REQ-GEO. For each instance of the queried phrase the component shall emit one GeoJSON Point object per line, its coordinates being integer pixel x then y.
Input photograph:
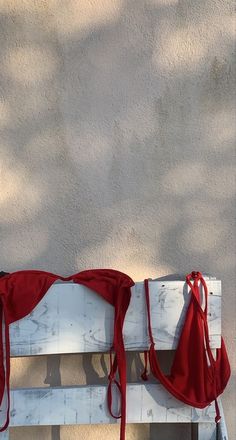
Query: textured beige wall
{"type": "Point", "coordinates": [117, 150]}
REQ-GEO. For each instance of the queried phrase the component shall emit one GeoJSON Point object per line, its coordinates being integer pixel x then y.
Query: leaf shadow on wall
{"type": "Point", "coordinates": [117, 142]}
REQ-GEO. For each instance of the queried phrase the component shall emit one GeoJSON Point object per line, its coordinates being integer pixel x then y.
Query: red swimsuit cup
{"type": "Point", "coordinates": [21, 291]}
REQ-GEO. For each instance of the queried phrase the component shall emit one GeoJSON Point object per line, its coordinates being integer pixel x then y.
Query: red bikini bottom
{"type": "Point", "coordinates": [196, 378]}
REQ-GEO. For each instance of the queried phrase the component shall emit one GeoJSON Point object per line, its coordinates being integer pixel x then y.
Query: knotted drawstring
{"type": "Point", "coordinates": [217, 410]}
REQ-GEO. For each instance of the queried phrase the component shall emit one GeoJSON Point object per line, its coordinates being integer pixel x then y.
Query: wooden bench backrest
{"type": "Point", "coordinates": [73, 319]}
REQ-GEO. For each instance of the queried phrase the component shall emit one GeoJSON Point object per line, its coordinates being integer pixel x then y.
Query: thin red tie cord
{"type": "Point", "coordinates": [217, 409]}
{"type": "Point", "coordinates": [111, 379]}
{"type": "Point", "coordinates": [7, 370]}
{"type": "Point", "coordinates": [148, 312]}
{"type": "Point", "coordinates": [144, 375]}
{"type": "Point", "coordinates": [197, 276]}
{"type": "Point", "coordinates": [120, 359]}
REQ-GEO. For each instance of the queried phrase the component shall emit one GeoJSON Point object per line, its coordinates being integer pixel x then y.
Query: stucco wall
{"type": "Point", "coordinates": [117, 150]}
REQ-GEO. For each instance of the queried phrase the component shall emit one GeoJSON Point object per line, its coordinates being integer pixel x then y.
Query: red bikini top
{"type": "Point", "coordinates": [21, 291]}
{"type": "Point", "coordinates": [196, 378]}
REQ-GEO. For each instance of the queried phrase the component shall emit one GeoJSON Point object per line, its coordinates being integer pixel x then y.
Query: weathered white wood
{"type": "Point", "coordinates": [223, 433]}
{"type": "Point", "coordinates": [207, 431]}
{"type": "Point", "coordinates": [147, 403]}
{"type": "Point", "coordinates": [73, 319]}
{"type": "Point", "coordinates": [4, 435]}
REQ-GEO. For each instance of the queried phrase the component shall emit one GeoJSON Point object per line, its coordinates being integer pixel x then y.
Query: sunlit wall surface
{"type": "Point", "coordinates": [117, 128]}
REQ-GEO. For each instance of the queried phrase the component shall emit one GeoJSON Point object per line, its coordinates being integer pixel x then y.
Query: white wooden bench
{"type": "Point", "coordinates": [73, 319]}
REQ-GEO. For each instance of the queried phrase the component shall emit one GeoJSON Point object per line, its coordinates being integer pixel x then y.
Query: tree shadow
{"type": "Point", "coordinates": [117, 142]}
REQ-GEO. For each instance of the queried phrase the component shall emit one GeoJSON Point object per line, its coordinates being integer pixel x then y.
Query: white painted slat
{"type": "Point", "coordinates": [4, 435]}
{"type": "Point", "coordinates": [223, 433]}
{"type": "Point", "coordinates": [73, 319]}
{"type": "Point", "coordinates": [146, 403]}
{"type": "Point", "coordinates": [207, 431]}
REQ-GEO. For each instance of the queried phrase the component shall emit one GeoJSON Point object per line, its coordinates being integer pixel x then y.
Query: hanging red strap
{"type": "Point", "coordinates": [112, 380]}
{"type": "Point", "coordinates": [6, 367]}
{"type": "Point", "coordinates": [217, 409]}
{"type": "Point", "coordinates": [152, 343]}
{"type": "Point", "coordinates": [144, 375]}
{"type": "Point", "coordinates": [198, 278]}
{"type": "Point", "coordinates": [120, 365]}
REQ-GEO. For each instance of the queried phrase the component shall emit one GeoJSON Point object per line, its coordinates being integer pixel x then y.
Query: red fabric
{"type": "Point", "coordinates": [115, 288]}
{"type": "Point", "coordinates": [191, 380]}
{"type": "Point", "coordinates": [21, 291]}
{"type": "Point", "coordinates": [196, 378]}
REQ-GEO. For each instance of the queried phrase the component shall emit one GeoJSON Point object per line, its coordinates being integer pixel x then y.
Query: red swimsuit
{"type": "Point", "coordinates": [21, 291]}
{"type": "Point", "coordinates": [196, 378]}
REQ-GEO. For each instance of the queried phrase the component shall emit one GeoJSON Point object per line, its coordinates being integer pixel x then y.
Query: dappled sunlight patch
{"type": "Point", "coordinates": [159, 3]}
{"type": "Point", "coordinates": [11, 181]}
{"type": "Point", "coordinates": [221, 182]}
{"type": "Point", "coordinates": [201, 209]}
{"type": "Point", "coordinates": [185, 45]}
{"type": "Point", "coordinates": [30, 64]}
{"type": "Point", "coordinates": [72, 16]}
{"type": "Point", "coordinates": [89, 145]}
{"type": "Point", "coordinates": [44, 147]}
{"type": "Point", "coordinates": [220, 129]}
{"type": "Point", "coordinates": [5, 114]}
{"type": "Point", "coordinates": [128, 245]}
{"type": "Point", "coordinates": [111, 252]}
{"type": "Point", "coordinates": [184, 179]}
{"type": "Point", "coordinates": [22, 6]}
{"type": "Point", "coordinates": [138, 263]}
{"type": "Point", "coordinates": [178, 49]}
{"type": "Point", "coordinates": [151, 270]}
{"type": "Point", "coordinates": [20, 198]}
